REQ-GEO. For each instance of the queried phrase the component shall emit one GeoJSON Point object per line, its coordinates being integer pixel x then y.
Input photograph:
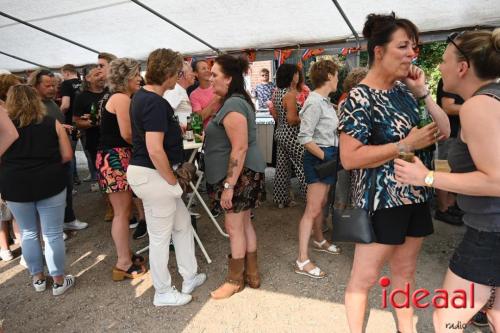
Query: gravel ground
{"type": "Point", "coordinates": [286, 302]}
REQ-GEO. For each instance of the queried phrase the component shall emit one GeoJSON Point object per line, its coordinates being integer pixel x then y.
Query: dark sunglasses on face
{"type": "Point", "coordinates": [451, 40]}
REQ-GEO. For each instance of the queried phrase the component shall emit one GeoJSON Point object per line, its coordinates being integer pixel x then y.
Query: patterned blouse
{"type": "Point", "coordinates": [395, 114]}
{"type": "Point", "coordinates": [263, 92]}
{"type": "Point", "coordinates": [284, 131]}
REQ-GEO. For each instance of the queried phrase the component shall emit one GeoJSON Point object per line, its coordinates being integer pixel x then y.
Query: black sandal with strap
{"type": "Point", "coordinates": [134, 272]}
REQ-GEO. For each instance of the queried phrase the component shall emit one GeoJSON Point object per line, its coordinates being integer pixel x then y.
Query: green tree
{"type": "Point", "coordinates": [428, 59]}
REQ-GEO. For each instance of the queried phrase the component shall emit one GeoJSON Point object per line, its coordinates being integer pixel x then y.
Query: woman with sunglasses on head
{"type": "Point", "coordinates": [113, 158]}
{"type": "Point", "coordinates": [378, 121]}
{"type": "Point", "coordinates": [471, 68]}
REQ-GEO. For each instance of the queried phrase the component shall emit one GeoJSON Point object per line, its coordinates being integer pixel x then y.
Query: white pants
{"type": "Point", "coordinates": [166, 216]}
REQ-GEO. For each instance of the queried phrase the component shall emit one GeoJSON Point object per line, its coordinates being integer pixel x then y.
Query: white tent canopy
{"type": "Point", "coordinates": [126, 29]}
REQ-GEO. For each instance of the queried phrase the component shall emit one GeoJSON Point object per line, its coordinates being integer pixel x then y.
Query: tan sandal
{"type": "Point", "coordinates": [315, 273]}
{"type": "Point", "coordinates": [324, 246]}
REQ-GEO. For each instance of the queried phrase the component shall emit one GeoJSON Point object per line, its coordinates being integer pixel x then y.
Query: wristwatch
{"type": "Point", "coordinates": [228, 186]}
{"type": "Point", "coordinates": [429, 179]}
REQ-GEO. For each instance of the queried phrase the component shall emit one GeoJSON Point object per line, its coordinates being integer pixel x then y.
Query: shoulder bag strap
{"type": "Point", "coordinates": [373, 178]}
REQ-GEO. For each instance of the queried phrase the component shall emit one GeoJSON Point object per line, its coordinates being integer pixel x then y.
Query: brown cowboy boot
{"type": "Point", "coordinates": [252, 277]}
{"type": "Point", "coordinates": [234, 280]}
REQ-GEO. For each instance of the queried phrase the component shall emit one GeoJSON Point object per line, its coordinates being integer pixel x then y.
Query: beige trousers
{"type": "Point", "coordinates": [166, 217]}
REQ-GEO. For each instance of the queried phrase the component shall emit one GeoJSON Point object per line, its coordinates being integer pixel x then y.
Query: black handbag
{"type": "Point", "coordinates": [354, 225]}
{"type": "Point", "coordinates": [328, 168]}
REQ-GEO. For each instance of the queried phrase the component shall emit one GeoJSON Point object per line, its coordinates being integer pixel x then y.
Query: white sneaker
{"type": "Point", "coordinates": [171, 298]}
{"type": "Point", "coordinates": [69, 281]}
{"type": "Point", "coordinates": [75, 225]}
{"type": "Point", "coordinates": [39, 285]}
{"type": "Point", "coordinates": [6, 255]}
{"type": "Point", "coordinates": [189, 285]}
{"type": "Point", "coordinates": [94, 187]}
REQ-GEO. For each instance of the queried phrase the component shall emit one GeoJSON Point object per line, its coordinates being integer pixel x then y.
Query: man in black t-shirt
{"type": "Point", "coordinates": [447, 211]}
{"type": "Point", "coordinates": [69, 88]}
{"type": "Point", "coordinates": [85, 108]}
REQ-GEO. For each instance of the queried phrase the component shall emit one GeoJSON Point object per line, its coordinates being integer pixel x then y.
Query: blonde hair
{"type": "Point", "coordinates": [355, 76]}
{"type": "Point", "coordinates": [24, 105]}
{"type": "Point", "coordinates": [162, 64]}
{"type": "Point", "coordinates": [106, 56]}
{"type": "Point", "coordinates": [6, 81]}
{"type": "Point", "coordinates": [121, 70]}
{"type": "Point", "coordinates": [482, 47]}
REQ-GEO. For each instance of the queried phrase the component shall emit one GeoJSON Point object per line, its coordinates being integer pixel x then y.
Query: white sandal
{"type": "Point", "coordinates": [321, 247]}
{"type": "Point", "coordinates": [315, 273]}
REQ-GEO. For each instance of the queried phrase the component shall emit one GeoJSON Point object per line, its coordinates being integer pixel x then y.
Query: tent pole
{"type": "Point", "coordinates": [47, 32]}
{"type": "Point", "coordinates": [175, 25]}
{"type": "Point", "coordinates": [21, 59]}
{"type": "Point", "coordinates": [341, 11]}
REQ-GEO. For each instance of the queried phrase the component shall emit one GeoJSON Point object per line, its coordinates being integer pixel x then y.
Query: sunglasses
{"type": "Point", "coordinates": [451, 40]}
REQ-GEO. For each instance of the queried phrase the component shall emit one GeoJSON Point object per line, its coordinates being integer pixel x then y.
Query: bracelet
{"type": "Point", "coordinates": [427, 93]}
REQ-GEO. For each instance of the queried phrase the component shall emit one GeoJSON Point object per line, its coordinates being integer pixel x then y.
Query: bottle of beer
{"type": "Point", "coordinates": [189, 130]}
{"type": "Point", "coordinates": [424, 120]}
{"type": "Point", "coordinates": [197, 127]}
{"type": "Point", "coordinates": [93, 114]}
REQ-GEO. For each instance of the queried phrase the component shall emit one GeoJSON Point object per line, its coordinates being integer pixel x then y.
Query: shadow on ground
{"type": "Point", "coordinates": [286, 302]}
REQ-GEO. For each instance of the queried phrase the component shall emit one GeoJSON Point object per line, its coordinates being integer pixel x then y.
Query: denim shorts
{"type": "Point", "coordinates": [476, 259]}
{"type": "Point", "coordinates": [310, 161]}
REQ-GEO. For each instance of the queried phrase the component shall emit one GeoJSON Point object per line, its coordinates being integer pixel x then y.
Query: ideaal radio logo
{"type": "Point", "coordinates": [422, 298]}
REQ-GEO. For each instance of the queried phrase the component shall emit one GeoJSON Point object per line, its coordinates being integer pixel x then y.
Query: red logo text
{"type": "Point", "coordinates": [421, 298]}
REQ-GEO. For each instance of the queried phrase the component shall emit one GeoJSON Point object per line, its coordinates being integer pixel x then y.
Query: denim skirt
{"type": "Point", "coordinates": [477, 257]}
{"type": "Point", "coordinates": [310, 161]}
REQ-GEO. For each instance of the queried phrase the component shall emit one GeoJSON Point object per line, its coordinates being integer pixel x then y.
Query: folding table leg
{"type": "Point", "coordinates": [198, 182]}
{"type": "Point", "coordinates": [212, 218]}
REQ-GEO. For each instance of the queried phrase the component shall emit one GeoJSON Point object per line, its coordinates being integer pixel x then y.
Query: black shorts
{"type": "Point", "coordinates": [393, 225]}
{"type": "Point", "coordinates": [476, 259]}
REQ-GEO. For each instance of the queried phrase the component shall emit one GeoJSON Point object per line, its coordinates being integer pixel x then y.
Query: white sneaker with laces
{"type": "Point", "coordinates": [171, 298]}
{"type": "Point", "coordinates": [59, 289]}
{"type": "Point", "coordinates": [189, 285]}
{"type": "Point", "coordinates": [6, 255]}
{"type": "Point", "coordinates": [39, 285]}
{"type": "Point", "coordinates": [75, 225]}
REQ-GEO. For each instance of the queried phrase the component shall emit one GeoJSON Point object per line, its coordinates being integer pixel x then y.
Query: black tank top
{"type": "Point", "coordinates": [110, 131]}
{"type": "Point", "coordinates": [31, 169]}
{"type": "Point", "coordinates": [481, 213]}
